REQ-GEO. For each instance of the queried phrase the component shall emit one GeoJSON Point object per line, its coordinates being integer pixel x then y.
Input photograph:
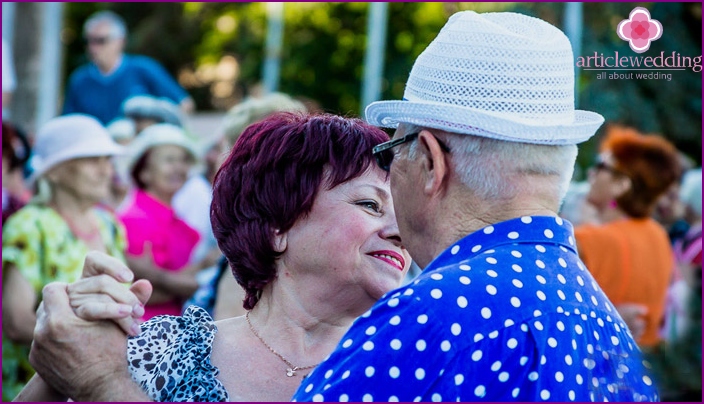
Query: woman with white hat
{"type": "Point", "coordinates": [48, 239]}
{"type": "Point", "coordinates": [159, 243]}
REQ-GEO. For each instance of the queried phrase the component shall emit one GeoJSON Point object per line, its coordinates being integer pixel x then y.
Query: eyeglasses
{"type": "Point", "coordinates": [602, 166]}
{"type": "Point", "coordinates": [385, 156]}
{"type": "Point", "coordinates": [97, 40]}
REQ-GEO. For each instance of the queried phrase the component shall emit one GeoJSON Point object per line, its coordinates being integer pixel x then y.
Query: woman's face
{"type": "Point", "coordinates": [166, 170]}
{"type": "Point", "coordinates": [86, 178]}
{"type": "Point", "coordinates": [349, 243]}
{"type": "Point", "coordinates": [604, 180]}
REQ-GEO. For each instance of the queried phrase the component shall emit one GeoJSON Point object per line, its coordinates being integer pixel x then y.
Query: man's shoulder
{"type": "Point", "coordinates": [81, 73]}
{"type": "Point", "coordinates": [139, 61]}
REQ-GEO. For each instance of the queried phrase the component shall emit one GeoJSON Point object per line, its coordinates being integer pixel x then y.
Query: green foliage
{"type": "Point", "coordinates": [324, 48]}
{"type": "Point", "coordinates": [670, 108]}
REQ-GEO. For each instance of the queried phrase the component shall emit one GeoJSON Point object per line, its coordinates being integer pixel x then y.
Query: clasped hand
{"type": "Point", "coordinates": [80, 339]}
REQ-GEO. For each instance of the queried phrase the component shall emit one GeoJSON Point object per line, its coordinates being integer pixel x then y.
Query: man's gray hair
{"type": "Point", "coordinates": [498, 170]}
{"type": "Point", "coordinates": [117, 24]}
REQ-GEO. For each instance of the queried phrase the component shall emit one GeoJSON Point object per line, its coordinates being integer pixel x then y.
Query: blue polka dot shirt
{"type": "Point", "coordinates": [508, 313]}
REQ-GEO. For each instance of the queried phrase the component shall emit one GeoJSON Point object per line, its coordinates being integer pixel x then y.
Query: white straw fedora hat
{"type": "Point", "coordinates": [157, 135]}
{"type": "Point", "coordinates": [70, 137]}
{"type": "Point", "coordinates": [505, 76]}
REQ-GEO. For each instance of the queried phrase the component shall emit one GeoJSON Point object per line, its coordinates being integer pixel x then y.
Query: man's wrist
{"type": "Point", "coordinates": [117, 386]}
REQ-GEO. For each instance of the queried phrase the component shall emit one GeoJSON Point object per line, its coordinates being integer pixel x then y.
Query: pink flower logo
{"type": "Point", "coordinates": [639, 30]}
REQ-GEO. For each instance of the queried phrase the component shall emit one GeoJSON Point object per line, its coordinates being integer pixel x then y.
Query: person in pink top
{"type": "Point", "coordinates": [159, 244]}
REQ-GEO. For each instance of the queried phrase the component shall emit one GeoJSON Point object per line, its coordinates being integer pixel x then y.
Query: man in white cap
{"type": "Point", "coordinates": [482, 155]}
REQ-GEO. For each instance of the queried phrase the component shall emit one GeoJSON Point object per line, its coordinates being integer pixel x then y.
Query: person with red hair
{"type": "Point", "coordinates": [629, 253]}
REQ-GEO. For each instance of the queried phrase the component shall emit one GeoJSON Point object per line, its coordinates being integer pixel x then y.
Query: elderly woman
{"type": "Point", "coordinates": [160, 244]}
{"type": "Point", "coordinates": [48, 239]}
{"type": "Point", "coordinates": [629, 254]}
{"type": "Point", "coordinates": [306, 221]}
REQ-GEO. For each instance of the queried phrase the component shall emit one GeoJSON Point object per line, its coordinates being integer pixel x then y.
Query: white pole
{"type": "Point", "coordinates": [274, 44]}
{"type": "Point", "coordinates": [374, 56]}
{"type": "Point", "coordinates": [8, 22]}
{"type": "Point", "coordinates": [573, 29]}
{"type": "Point", "coordinates": [51, 60]}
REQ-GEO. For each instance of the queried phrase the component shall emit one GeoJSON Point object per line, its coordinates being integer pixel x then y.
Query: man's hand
{"type": "Point", "coordinates": [85, 360]}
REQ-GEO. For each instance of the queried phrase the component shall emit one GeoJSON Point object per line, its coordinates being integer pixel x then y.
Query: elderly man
{"type": "Point", "coordinates": [505, 309]}
{"type": "Point", "coordinates": [100, 87]}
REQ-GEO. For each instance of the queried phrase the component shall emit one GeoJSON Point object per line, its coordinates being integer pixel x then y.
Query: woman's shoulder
{"type": "Point", "coordinates": [171, 358]}
{"type": "Point", "coordinates": [33, 220]}
{"type": "Point", "coordinates": [32, 210]}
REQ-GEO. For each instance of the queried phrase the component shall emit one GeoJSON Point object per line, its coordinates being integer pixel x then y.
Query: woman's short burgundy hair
{"type": "Point", "coordinates": [651, 163]}
{"type": "Point", "coordinates": [271, 179]}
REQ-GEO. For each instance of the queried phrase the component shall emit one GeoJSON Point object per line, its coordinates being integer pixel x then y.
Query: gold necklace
{"type": "Point", "coordinates": [291, 370]}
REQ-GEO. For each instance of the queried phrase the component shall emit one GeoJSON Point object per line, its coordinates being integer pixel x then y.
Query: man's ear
{"type": "Point", "coordinates": [434, 163]}
{"type": "Point", "coordinates": [280, 241]}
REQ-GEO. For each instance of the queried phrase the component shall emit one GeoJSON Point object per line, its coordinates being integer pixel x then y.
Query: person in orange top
{"type": "Point", "coordinates": [629, 253]}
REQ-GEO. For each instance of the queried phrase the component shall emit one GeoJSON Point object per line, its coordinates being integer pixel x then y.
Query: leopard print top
{"type": "Point", "coordinates": [170, 359]}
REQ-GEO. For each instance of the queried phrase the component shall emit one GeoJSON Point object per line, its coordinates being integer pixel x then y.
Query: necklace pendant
{"type": "Point", "coordinates": [290, 372]}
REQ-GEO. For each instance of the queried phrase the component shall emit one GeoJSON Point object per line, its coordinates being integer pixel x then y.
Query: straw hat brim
{"type": "Point", "coordinates": [464, 120]}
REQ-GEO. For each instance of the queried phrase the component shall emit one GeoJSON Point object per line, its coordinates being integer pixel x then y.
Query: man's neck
{"type": "Point", "coordinates": [463, 215]}
{"type": "Point", "coordinates": [110, 67]}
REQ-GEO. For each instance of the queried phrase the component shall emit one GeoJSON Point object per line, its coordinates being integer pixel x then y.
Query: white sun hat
{"type": "Point", "coordinates": [505, 76]}
{"type": "Point", "coordinates": [157, 135]}
{"type": "Point", "coordinates": [70, 137]}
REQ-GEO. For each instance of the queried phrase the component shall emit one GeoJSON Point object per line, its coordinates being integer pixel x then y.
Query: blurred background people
{"type": "Point", "coordinates": [629, 253]}
{"type": "Point", "coordinates": [159, 244]}
{"type": "Point", "coordinates": [15, 153]}
{"type": "Point", "coordinates": [137, 113]}
{"type": "Point", "coordinates": [670, 209]}
{"type": "Point", "coordinates": [100, 87]}
{"type": "Point", "coordinates": [147, 110]}
{"type": "Point", "coordinates": [688, 250]}
{"type": "Point", "coordinates": [677, 364]}
{"type": "Point", "coordinates": [48, 239]}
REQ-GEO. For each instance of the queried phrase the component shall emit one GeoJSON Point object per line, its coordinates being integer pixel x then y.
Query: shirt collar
{"type": "Point", "coordinates": [532, 230]}
{"type": "Point", "coordinates": [116, 67]}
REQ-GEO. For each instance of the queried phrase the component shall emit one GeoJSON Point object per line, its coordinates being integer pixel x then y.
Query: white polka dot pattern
{"type": "Point", "coordinates": [506, 314]}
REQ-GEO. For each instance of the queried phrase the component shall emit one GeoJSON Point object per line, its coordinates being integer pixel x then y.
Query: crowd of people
{"type": "Point", "coordinates": [296, 255]}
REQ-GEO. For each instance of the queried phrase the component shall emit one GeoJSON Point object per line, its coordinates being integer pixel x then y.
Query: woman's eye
{"type": "Point", "coordinates": [371, 205]}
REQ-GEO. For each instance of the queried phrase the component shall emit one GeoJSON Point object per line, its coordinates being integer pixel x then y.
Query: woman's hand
{"type": "Point", "coordinates": [102, 295]}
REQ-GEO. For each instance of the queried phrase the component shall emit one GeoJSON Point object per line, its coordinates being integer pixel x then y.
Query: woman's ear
{"type": "Point", "coordinates": [621, 186]}
{"type": "Point", "coordinates": [280, 241]}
